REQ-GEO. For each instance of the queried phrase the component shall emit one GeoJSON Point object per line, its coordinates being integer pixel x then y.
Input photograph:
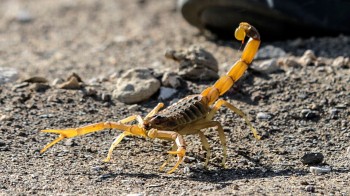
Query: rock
{"type": "Point", "coordinates": [171, 79]}
{"type": "Point", "coordinates": [36, 79]}
{"type": "Point", "coordinates": [312, 158]}
{"type": "Point", "coordinates": [186, 170]}
{"type": "Point", "coordinates": [5, 118]}
{"type": "Point", "coordinates": [269, 52]}
{"type": "Point", "coordinates": [319, 170]}
{"type": "Point", "coordinates": [7, 75]}
{"type": "Point", "coordinates": [90, 92]}
{"type": "Point", "coordinates": [308, 114]}
{"type": "Point", "coordinates": [39, 87]}
{"type": "Point", "coordinates": [24, 16]}
{"type": "Point", "coordinates": [136, 85]}
{"type": "Point", "coordinates": [334, 113]}
{"type": "Point", "coordinates": [2, 143]}
{"type": "Point", "coordinates": [348, 151]}
{"type": "Point", "coordinates": [72, 83]}
{"type": "Point", "coordinates": [57, 81]}
{"type": "Point", "coordinates": [195, 63]}
{"type": "Point", "coordinates": [341, 61]}
{"type": "Point", "coordinates": [263, 116]}
{"type": "Point", "coordinates": [308, 58]}
{"type": "Point", "coordinates": [289, 62]}
{"type": "Point", "coordinates": [267, 66]}
{"type": "Point", "coordinates": [105, 97]}
{"type": "Point", "coordinates": [310, 188]}
{"type": "Point", "coordinates": [166, 93]}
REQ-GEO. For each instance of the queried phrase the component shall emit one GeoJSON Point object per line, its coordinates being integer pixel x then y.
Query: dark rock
{"type": "Point", "coordinates": [312, 158]}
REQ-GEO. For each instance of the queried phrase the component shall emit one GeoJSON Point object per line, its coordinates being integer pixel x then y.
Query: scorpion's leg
{"type": "Point", "coordinates": [204, 142]}
{"type": "Point", "coordinates": [129, 119]}
{"type": "Point", "coordinates": [154, 111]}
{"type": "Point", "coordinates": [222, 102]}
{"type": "Point", "coordinates": [179, 141]}
{"type": "Point", "coordinates": [206, 124]}
{"type": "Point", "coordinates": [206, 146]}
{"type": "Point", "coordinates": [173, 148]}
{"type": "Point", "coordinates": [73, 132]}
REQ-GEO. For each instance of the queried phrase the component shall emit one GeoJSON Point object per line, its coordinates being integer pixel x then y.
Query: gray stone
{"type": "Point", "coordinates": [266, 66]}
{"type": "Point", "coordinates": [195, 63]}
{"type": "Point", "coordinates": [263, 116]}
{"type": "Point", "coordinates": [7, 75]}
{"type": "Point", "coordinates": [24, 16]}
{"type": "Point", "coordinates": [319, 170]}
{"type": "Point", "coordinates": [171, 79]}
{"type": "Point", "coordinates": [166, 93]}
{"type": "Point", "coordinates": [269, 52]}
{"type": "Point", "coordinates": [308, 58]}
{"type": "Point", "coordinates": [341, 61]}
{"type": "Point", "coordinates": [136, 85]}
{"type": "Point", "coordinates": [312, 158]}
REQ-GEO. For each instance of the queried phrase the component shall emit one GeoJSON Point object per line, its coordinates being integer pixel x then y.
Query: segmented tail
{"type": "Point", "coordinates": [224, 83]}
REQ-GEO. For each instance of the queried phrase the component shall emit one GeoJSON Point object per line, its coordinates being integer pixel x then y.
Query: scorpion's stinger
{"type": "Point", "coordinates": [225, 82]}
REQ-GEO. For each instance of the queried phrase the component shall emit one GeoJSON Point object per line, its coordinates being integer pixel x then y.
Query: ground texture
{"type": "Point", "coordinates": [297, 109]}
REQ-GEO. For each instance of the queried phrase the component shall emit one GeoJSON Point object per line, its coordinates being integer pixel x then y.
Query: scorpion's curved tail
{"type": "Point", "coordinates": [225, 82]}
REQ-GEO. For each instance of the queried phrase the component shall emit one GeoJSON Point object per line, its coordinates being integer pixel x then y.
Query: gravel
{"type": "Point", "coordinates": [98, 39]}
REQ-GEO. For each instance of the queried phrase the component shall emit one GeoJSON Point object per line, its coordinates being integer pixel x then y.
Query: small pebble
{"type": "Point", "coordinates": [72, 83]}
{"type": "Point", "coordinates": [267, 66]}
{"type": "Point", "coordinates": [5, 118]}
{"type": "Point", "coordinates": [319, 170]}
{"type": "Point", "coordinates": [308, 58]}
{"type": "Point", "coordinates": [135, 194]}
{"type": "Point", "coordinates": [186, 170]}
{"type": "Point", "coordinates": [269, 52]}
{"type": "Point", "coordinates": [171, 79]}
{"type": "Point", "coordinates": [105, 97]}
{"type": "Point", "coordinates": [165, 93]}
{"type": "Point", "coordinates": [57, 81]}
{"type": "Point", "coordinates": [341, 61]}
{"type": "Point", "coordinates": [24, 16]}
{"type": "Point", "coordinates": [334, 112]}
{"type": "Point", "coordinates": [39, 87]}
{"type": "Point", "coordinates": [104, 176]}
{"type": "Point", "coordinates": [195, 63]}
{"type": "Point", "coordinates": [2, 143]}
{"type": "Point", "coordinates": [263, 116]}
{"type": "Point", "coordinates": [36, 79]}
{"type": "Point", "coordinates": [200, 166]}
{"type": "Point", "coordinates": [8, 74]}
{"type": "Point", "coordinates": [308, 114]}
{"type": "Point", "coordinates": [312, 158]}
{"type": "Point", "coordinates": [310, 188]}
{"type": "Point", "coordinates": [348, 151]}
{"type": "Point", "coordinates": [136, 85]}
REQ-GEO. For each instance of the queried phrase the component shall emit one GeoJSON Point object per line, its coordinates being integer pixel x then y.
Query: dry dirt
{"type": "Point", "coordinates": [96, 39]}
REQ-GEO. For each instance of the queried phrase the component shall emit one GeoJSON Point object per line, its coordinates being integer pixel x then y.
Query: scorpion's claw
{"type": "Point", "coordinates": [181, 151]}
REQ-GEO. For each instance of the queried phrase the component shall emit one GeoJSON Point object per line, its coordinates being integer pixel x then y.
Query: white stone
{"type": "Point", "coordinates": [166, 93]}
{"type": "Point", "coordinates": [319, 170]}
{"type": "Point", "coordinates": [267, 66]}
{"type": "Point", "coordinates": [136, 85]}
{"type": "Point", "coordinates": [8, 74]}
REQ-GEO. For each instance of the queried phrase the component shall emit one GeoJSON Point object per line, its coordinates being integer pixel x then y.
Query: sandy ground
{"type": "Point", "coordinates": [97, 39]}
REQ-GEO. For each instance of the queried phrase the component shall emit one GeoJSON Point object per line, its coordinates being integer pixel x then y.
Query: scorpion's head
{"type": "Point", "coordinates": [161, 122]}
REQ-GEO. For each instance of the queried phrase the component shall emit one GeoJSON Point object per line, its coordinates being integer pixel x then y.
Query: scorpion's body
{"type": "Point", "coordinates": [188, 116]}
{"type": "Point", "coordinates": [186, 111]}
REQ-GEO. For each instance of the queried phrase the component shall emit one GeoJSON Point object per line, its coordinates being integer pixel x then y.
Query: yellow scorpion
{"type": "Point", "coordinates": [188, 116]}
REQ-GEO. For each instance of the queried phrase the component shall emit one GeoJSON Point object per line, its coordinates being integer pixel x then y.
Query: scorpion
{"type": "Point", "coordinates": [187, 116]}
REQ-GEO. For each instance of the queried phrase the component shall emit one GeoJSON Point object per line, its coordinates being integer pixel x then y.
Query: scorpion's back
{"type": "Point", "coordinates": [183, 112]}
